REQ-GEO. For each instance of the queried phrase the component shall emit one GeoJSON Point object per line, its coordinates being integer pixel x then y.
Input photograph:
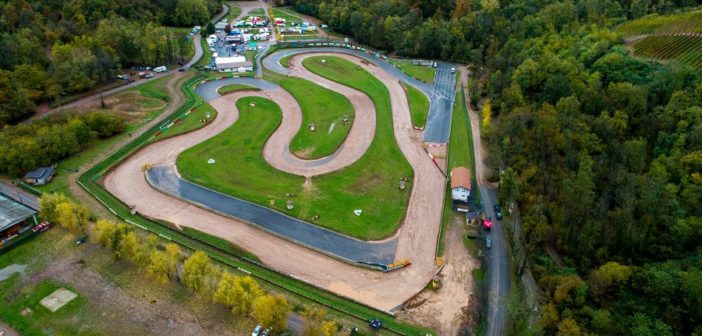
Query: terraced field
{"type": "Point", "coordinates": [690, 22]}
{"type": "Point", "coordinates": [685, 49]}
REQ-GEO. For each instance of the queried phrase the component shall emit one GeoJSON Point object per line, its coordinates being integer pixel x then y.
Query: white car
{"type": "Point", "coordinates": [161, 68]}
{"type": "Point", "coordinates": [256, 331]}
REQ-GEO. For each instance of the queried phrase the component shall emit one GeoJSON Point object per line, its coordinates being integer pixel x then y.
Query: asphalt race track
{"type": "Point", "coordinates": [166, 179]}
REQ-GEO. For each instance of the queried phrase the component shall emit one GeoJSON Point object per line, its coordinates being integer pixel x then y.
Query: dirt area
{"type": "Point", "coordinates": [148, 314]}
{"type": "Point", "coordinates": [131, 105]}
{"type": "Point", "coordinates": [5, 330]}
{"type": "Point", "coordinates": [447, 309]}
{"type": "Point", "coordinates": [386, 291]}
{"type": "Point", "coordinates": [176, 100]}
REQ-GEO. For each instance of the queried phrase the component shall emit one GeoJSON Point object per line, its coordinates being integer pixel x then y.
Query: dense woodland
{"type": "Point", "coordinates": [54, 48]}
{"type": "Point", "coordinates": [600, 151]}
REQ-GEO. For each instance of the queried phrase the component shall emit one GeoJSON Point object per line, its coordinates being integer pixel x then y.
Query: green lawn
{"type": "Point", "coordinates": [190, 122]}
{"type": "Point", "coordinates": [334, 196]}
{"type": "Point", "coordinates": [284, 61]}
{"type": "Point", "coordinates": [321, 106]}
{"type": "Point", "coordinates": [235, 87]}
{"type": "Point", "coordinates": [234, 11]}
{"type": "Point", "coordinates": [286, 14]}
{"type": "Point", "coordinates": [300, 37]}
{"type": "Point", "coordinates": [257, 12]}
{"type": "Point", "coordinates": [421, 72]}
{"type": "Point", "coordinates": [419, 105]}
{"type": "Point", "coordinates": [206, 58]}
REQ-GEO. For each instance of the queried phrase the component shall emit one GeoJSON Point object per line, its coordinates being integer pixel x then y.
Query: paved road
{"type": "Point", "coordinates": [438, 126]}
{"type": "Point", "coordinates": [498, 255]}
{"type": "Point", "coordinates": [441, 93]}
{"type": "Point", "coordinates": [166, 179]}
{"type": "Point", "coordinates": [19, 195]}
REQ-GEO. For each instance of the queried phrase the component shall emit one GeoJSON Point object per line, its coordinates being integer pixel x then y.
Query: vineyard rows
{"type": "Point", "coordinates": [690, 22]}
{"type": "Point", "coordinates": [685, 49]}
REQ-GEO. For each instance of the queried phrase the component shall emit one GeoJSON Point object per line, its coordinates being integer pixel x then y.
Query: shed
{"type": "Point", "coordinates": [13, 218]}
{"type": "Point", "coordinates": [233, 64]}
{"type": "Point", "coordinates": [40, 176]}
{"type": "Point", "coordinates": [460, 184]}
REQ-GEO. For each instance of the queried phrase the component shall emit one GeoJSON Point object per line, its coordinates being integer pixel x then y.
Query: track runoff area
{"type": "Point", "coordinates": [305, 251]}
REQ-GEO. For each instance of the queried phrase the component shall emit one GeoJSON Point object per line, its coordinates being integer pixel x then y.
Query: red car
{"type": "Point", "coordinates": [42, 227]}
{"type": "Point", "coordinates": [487, 225]}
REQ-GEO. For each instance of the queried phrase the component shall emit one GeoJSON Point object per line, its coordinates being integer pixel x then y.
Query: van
{"type": "Point", "coordinates": [160, 69]}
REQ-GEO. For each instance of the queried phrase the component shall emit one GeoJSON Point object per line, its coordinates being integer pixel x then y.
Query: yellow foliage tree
{"type": "Point", "coordinates": [158, 266]}
{"type": "Point", "coordinates": [172, 258]}
{"type": "Point", "coordinates": [48, 204]}
{"type": "Point", "coordinates": [72, 216]}
{"type": "Point", "coordinates": [131, 248]}
{"type": "Point", "coordinates": [487, 114]}
{"type": "Point", "coordinates": [315, 323]}
{"type": "Point", "coordinates": [196, 271]}
{"type": "Point", "coordinates": [246, 291]}
{"type": "Point", "coordinates": [225, 290]}
{"type": "Point", "coordinates": [271, 310]}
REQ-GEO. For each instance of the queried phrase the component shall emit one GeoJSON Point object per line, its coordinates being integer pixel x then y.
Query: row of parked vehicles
{"type": "Point", "coordinates": [487, 225]}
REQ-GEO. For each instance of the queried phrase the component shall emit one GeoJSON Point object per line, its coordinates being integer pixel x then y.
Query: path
{"type": "Point", "coordinates": [498, 256]}
{"type": "Point", "coordinates": [416, 238]}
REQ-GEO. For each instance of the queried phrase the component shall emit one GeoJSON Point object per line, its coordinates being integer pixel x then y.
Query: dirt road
{"type": "Point", "coordinates": [417, 236]}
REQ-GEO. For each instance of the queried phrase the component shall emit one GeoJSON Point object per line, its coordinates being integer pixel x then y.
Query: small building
{"type": "Point", "coordinates": [15, 219]}
{"type": "Point", "coordinates": [233, 64]}
{"type": "Point", "coordinates": [460, 186]}
{"type": "Point", "coordinates": [40, 176]}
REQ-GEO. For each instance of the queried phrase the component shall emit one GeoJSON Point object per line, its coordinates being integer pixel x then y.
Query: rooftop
{"type": "Point", "coordinates": [40, 173]}
{"type": "Point", "coordinates": [12, 212]}
{"type": "Point", "coordinates": [460, 177]}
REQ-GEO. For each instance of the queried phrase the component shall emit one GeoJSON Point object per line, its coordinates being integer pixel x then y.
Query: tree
{"type": "Point", "coordinates": [315, 323]}
{"type": "Point", "coordinates": [131, 248]}
{"type": "Point", "coordinates": [48, 205]}
{"type": "Point", "coordinates": [104, 232]}
{"type": "Point", "coordinates": [225, 293]}
{"type": "Point", "coordinates": [196, 271]}
{"type": "Point", "coordinates": [271, 310]}
{"type": "Point", "coordinates": [172, 258]}
{"type": "Point", "coordinates": [568, 327]}
{"type": "Point", "coordinates": [487, 115]}
{"type": "Point", "coordinates": [72, 216]}
{"type": "Point", "coordinates": [158, 266]}
{"type": "Point", "coordinates": [245, 291]}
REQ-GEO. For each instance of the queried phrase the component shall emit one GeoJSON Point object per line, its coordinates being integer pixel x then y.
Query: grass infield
{"type": "Point", "coordinates": [419, 105]}
{"type": "Point", "coordinates": [371, 184]}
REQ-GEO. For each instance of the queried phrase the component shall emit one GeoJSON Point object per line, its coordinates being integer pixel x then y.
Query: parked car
{"type": "Point", "coordinates": [181, 70]}
{"type": "Point", "coordinates": [256, 331]}
{"type": "Point", "coordinates": [488, 243]}
{"type": "Point", "coordinates": [266, 332]}
{"type": "Point", "coordinates": [487, 225]}
{"type": "Point", "coordinates": [436, 65]}
{"type": "Point", "coordinates": [498, 212]}
{"type": "Point", "coordinates": [149, 75]}
{"type": "Point", "coordinates": [161, 69]}
{"type": "Point", "coordinates": [453, 70]}
{"type": "Point", "coordinates": [123, 76]}
{"type": "Point", "coordinates": [42, 227]}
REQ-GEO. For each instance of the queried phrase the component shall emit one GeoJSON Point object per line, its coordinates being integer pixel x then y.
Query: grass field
{"type": "Point", "coordinates": [235, 87]}
{"type": "Point", "coordinates": [421, 72]}
{"type": "Point", "coordinates": [321, 106]}
{"type": "Point", "coordinates": [300, 37]}
{"type": "Point", "coordinates": [685, 49]}
{"type": "Point", "coordinates": [334, 196]}
{"type": "Point", "coordinates": [257, 12]}
{"type": "Point", "coordinates": [286, 14]}
{"type": "Point", "coordinates": [419, 105]}
{"type": "Point", "coordinates": [460, 155]}
{"type": "Point", "coordinates": [234, 11]}
{"type": "Point", "coordinates": [689, 22]}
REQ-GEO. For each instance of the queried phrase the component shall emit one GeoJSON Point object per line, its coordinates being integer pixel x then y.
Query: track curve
{"type": "Point", "coordinates": [416, 239]}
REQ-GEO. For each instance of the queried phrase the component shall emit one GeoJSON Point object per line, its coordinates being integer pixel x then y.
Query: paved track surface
{"type": "Point", "coordinates": [441, 93]}
{"type": "Point", "coordinates": [166, 179]}
{"type": "Point", "coordinates": [416, 239]}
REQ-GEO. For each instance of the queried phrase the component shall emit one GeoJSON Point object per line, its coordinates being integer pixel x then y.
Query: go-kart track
{"type": "Point", "coordinates": [304, 251]}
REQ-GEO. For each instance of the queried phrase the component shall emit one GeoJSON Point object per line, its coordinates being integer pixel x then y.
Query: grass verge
{"type": "Point", "coordinates": [419, 105]}
{"type": "Point", "coordinates": [421, 72]}
{"type": "Point", "coordinates": [235, 87]}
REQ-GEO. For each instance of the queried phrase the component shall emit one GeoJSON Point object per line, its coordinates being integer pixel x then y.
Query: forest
{"type": "Point", "coordinates": [54, 48]}
{"type": "Point", "coordinates": [600, 152]}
